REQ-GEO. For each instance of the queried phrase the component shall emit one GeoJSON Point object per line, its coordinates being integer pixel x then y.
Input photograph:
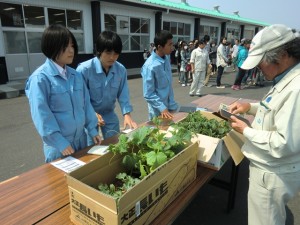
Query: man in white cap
{"type": "Point", "coordinates": [272, 144]}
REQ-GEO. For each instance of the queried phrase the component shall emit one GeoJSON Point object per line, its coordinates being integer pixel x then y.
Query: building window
{"type": "Point", "coordinates": [180, 31]}
{"type": "Point", "coordinates": [211, 31]}
{"type": "Point", "coordinates": [80, 41]}
{"type": "Point", "coordinates": [133, 31]}
{"type": "Point", "coordinates": [27, 40]}
{"type": "Point", "coordinates": [34, 16]}
{"type": "Point", "coordinates": [57, 16]}
{"type": "Point", "coordinates": [74, 19]}
{"type": "Point", "coordinates": [15, 42]}
{"type": "Point", "coordinates": [232, 34]}
{"type": "Point", "coordinates": [34, 41]}
{"type": "Point", "coordinates": [248, 34]}
{"type": "Point", "coordinates": [11, 15]}
{"type": "Point", "coordinates": [110, 22]}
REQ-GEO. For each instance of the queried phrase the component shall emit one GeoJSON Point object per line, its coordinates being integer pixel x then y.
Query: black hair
{"type": "Point", "coordinates": [109, 41]}
{"type": "Point", "coordinates": [221, 40]}
{"type": "Point", "coordinates": [162, 38]}
{"type": "Point", "coordinates": [55, 40]}
{"type": "Point", "coordinates": [201, 41]}
{"type": "Point", "coordinates": [206, 38]}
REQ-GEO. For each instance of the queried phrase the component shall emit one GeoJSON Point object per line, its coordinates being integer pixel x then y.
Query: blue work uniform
{"type": "Point", "coordinates": [60, 109]}
{"type": "Point", "coordinates": [104, 90]}
{"type": "Point", "coordinates": [157, 85]}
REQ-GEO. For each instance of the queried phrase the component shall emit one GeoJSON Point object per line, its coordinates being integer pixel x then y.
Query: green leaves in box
{"type": "Point", "coordinates": [147, 148]}
{"type": "Point", "coordinates": [199, 124]}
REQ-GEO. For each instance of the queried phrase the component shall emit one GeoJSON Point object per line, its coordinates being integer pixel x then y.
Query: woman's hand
{"type": "Point", "coordinates": [68, 151]}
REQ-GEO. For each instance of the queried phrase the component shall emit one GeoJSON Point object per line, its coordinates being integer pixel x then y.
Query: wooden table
{"type": "Point", "coordinates": [40, 196]}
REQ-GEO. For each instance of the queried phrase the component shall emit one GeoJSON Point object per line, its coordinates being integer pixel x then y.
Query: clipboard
{"type": "Point", "coordinates": [226, 115]}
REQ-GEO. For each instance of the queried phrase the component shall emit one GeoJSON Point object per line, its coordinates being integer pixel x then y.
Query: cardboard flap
{"type": "Point", "coordinates": [234, 142]}
{"type": "Point", "coordinates": [207, 146]}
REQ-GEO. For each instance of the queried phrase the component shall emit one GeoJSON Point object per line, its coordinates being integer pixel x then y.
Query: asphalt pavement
{"type": "Point", "coordinates": [21, 150]}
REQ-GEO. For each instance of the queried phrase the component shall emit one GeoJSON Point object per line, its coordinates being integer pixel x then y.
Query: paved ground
{"type": "Point", "coordinates": [20, 151]}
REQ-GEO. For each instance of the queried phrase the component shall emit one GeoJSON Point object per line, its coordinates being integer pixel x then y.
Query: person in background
{"type": "Point", "coordinates": [178, 58]}
{"type": "Point", "coordinates": [206, 40]}
{"type": "Point", "coordinates": [213, 57]}
{"type": "Point", "coordinates": [146, 54]}
{"type": "Point", "coordinates": [191, 48]}
{"type": "Point", "coordinates": [151, 48]}
{"type": "Point", "coordinates": [229, 53]}
{"type": "Point", "coordinates": [157, 78]}
{"type": "Point", "coordinates": [241, 57]}
{"type": "Point", "coordinates": [221, 56]}
{"type": "Point", "coordinates": [185, 60]}
{"type": "Point", "coordinates": [199, 62]}
{"type": "Point", "coordinates": [106, 80]}
{"type": "Point", "coordinates": [58, 98]}
{"type": "Point", "coordinates": [272, 142]}
{"type": "Point", "coordinates": [234, 54]}
{"type": "Point", "coordinates": [207, 47]}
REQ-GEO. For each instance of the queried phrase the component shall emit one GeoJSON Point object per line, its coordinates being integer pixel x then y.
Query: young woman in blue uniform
{"type": "Point", "coordinates": [59, 100]}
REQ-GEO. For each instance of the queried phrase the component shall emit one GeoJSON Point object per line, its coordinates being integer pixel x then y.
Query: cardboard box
{"type": "Point", "coordinates": [139, 205]}
{"type": "Point", "coordinates": [215, 151]}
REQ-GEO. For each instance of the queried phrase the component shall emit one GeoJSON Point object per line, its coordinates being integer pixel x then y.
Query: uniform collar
{"type": "Point", "coordinates": [282, 80]}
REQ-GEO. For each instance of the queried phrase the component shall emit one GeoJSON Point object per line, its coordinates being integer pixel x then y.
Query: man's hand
{"type": "Point", "coordinates": [128, 121]}
{"type": "Point", "coordinates": [97, 140]}
{"type": "Point", "coordinates": [100, 120]}
{"type": "Point", "coordinates": [239, 107]}
{"type": "Point", "coordinates": [237, 125]}
{"type": "Point", "coordinates": [166, 114]}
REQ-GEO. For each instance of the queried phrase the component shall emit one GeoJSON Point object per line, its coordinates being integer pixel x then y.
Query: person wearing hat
{"type": "Point", "coordinates": [272, 144]}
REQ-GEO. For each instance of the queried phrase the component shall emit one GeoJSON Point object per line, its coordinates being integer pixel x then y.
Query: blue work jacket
{"type": "Point", "coordinates": [106, 89]}
{"type": "Point", "coordinates": [242, 56]}
{"type": "Point", "coordinates": [60, 109]}
{"type": "Point", "coordinates": [157, 85]}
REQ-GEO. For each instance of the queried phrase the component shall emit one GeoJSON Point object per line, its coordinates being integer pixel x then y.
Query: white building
{"type": "Point", "coordinates": [136, 21]}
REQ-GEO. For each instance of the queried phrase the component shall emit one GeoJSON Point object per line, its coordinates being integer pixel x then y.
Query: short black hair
{"type": "Point", "coordinates": [206, 38]}
{"type": "Point", "coordinates": [162, 38]}
{"type": "Point", "coordinates": [201, 41]}
{"type": "Point", "coordinates": [55, 40]}
{"type": "Point", "coordinates": [109, 41]}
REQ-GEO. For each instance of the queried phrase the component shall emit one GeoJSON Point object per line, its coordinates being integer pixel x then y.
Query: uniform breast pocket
{"type": "Point", "coordinates": [78, 93]}
{"type": "Point", "coordinates": [162, 82]}
{"type": "Point", "coordinates": [96, 92]}
{"type": "Point", "coordinates": [114, 88]}
{"type": "Point", "coordinates": [60, 100]}
{"type": "Point", "coordinates": [263, 119]}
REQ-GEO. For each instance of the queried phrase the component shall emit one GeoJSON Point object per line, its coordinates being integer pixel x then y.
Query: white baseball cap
{"type": "Point", "coordinates": [265, 40]}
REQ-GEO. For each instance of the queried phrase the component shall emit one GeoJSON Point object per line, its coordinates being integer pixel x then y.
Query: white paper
{"type": "Point", "coordinates": [127, 131]}
{"type": "Point", "coordinates": [98, 150]}
{"type": "Point", "coordinates": [201, 109]}
{"type": "Point", "coordinates": [68, 164]}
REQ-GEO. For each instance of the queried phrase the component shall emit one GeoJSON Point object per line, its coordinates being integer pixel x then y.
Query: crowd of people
{"type": "Point", "coordinates": [69, 106]}
{"type": "Point", "coordinates": [222, 57]}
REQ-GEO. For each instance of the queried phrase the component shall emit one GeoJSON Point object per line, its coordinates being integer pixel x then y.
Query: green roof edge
{"type": "Point", "coordinates": [213, 13]}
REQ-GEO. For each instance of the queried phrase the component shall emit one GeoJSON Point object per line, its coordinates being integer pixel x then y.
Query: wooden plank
{"type": "Point", "coordinates": [212, 102]}
{"type": "Point", "coordinates": [32, 196]}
